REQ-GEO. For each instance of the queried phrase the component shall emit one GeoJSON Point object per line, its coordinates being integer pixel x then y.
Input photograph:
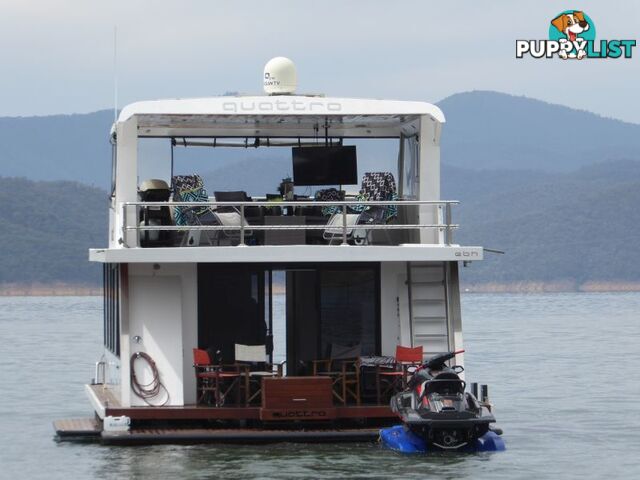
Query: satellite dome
{"type": "Point", "coordinates": [280, 76]}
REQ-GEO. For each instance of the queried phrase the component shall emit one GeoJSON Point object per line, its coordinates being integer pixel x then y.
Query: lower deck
{"type": "Point", "coordinates": [210, 424]}
{"type": "Point", "coordinates": [300, 316]}
{"type": "Point", "coordinates": [106, 404]}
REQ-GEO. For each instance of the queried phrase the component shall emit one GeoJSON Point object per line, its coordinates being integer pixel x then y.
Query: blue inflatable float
{"type": "Point", "coordinates": [402, 440]}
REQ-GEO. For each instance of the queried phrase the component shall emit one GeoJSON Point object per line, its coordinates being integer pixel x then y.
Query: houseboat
{"type": "Point", "coordinates": [295, 314]}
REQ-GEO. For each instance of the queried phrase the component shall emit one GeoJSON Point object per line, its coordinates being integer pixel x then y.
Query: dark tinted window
{"type": "Point", "coordinates": [111, 307]}
{"type": "Point", "coordinates": [348, 309]}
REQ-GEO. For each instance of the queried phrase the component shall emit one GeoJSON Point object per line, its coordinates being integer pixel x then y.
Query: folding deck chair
{"type": "Point", "coordinates": [252, 359]}
{"type": "Point", "coordinates": [343, 367]}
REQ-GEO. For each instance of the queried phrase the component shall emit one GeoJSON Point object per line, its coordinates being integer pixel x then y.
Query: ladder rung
{"type": "Point", "coordinates": [430, 281]}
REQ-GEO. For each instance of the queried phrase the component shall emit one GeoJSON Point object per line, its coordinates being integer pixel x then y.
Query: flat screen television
{"type": "Point", "coordinates": [325, 165]}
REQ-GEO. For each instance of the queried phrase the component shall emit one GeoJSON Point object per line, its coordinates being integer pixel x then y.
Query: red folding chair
{"type": "Point", "coordinates": [390, 380]}
{"type": "Point", "coordinates": [215, 380]}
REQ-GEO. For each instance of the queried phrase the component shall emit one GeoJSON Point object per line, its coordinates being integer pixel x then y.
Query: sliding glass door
{"type": "Point", "coordinates": [331, 304]}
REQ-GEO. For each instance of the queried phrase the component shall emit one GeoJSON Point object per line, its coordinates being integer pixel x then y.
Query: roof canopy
{"type": "Point", "coordinates": [282, 116]}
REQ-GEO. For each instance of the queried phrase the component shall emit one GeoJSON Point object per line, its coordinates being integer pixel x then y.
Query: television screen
{"type": "Point", "coordinates": [325, 165]}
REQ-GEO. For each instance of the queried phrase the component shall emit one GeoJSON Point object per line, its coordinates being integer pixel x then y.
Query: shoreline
{"type": "Point", "coordinates": [67, 290]}
{"type": "Point", "coordinates": [50, 290]}
{"type": "Point", "coordinates": [552, 287]}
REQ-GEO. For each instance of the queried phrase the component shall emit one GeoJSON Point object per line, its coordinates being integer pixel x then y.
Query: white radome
{"type": "Point", "coordinates": [280, 76]}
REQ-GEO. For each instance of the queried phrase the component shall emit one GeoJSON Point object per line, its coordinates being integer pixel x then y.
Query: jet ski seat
{"type": "Point", "coordinates": [445, 383]}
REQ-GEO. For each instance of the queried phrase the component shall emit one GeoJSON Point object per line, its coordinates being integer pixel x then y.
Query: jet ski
{"type": "Point", "coordinates": [438, 414]}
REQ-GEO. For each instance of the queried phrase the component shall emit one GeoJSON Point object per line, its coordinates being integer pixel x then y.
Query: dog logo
{"type": "Point", "coordinates": [573, 25]}
{"type": "Point", "coordinates": [572, 35]}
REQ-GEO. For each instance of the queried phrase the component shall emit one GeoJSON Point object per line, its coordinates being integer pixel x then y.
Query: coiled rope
{"type": "Point", "coordinates": [147, 391]}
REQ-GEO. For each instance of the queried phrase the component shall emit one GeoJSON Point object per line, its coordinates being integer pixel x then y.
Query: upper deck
{"type": "Point", "coordinates": [410, 223]}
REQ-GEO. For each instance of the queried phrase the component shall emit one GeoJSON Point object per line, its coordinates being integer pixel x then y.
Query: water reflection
{"type": "Point", "coordinates": [294, 460]}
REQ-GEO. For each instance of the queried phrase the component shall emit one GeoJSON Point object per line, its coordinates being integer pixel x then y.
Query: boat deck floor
{"type": "Point", "coordinates": [77, 428]}
{"type": "Point", "coordinates": [107, 403]}
{"type": "Point", "coordinates": [88, 429]}
{"type": "Point", "coordinates": [208, 424]}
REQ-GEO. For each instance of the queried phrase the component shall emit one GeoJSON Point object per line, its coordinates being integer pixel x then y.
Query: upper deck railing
{"type": "Point", "coordinates": [353, 221]}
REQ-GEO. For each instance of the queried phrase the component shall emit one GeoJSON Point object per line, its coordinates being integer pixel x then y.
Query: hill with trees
{"type": "Point", "coordinates": [47, 229]}
{"type": "Point", "coordinates": [558, 189]}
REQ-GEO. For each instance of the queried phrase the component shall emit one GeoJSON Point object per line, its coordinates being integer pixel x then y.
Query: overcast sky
{"type": "Point", "coordinates": [57, 55]}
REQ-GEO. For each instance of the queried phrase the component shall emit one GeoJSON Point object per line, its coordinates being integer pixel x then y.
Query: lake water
{"type": "Point", "coordinates": [563, 370]}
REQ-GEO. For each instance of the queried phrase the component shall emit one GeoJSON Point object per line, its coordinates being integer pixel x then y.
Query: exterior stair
{"type": "Point", "coordinates": [427, 290]}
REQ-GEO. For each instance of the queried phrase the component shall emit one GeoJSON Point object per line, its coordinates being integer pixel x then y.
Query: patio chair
{"type": "Point", "coordinates": [190, 188]}
{"type": "Point", "coordinates": [215, 382]}
{"type": "Point", "coordinates": [390, 380]}
{"type": "Point", "coordinates": [375, 186]}
{"type": "Point", "coordinates": [252, 360]}
{"type": "Point", "coordinates": [329, 195]}
{"type": "Point", "coordinates": [343, 367]}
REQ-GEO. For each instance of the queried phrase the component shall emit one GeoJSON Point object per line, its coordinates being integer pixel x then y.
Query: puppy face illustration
{"type": "Point", "coordinates": [571, 24]}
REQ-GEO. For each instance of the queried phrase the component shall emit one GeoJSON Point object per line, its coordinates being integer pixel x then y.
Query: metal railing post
{"type": "Point", "coordinates": [242, 225]}
{"type": "Point", "coordinates": [448, 232]}
{"type": "Point", "coordinates": [138, 232]}
{"type": "Point", "coordinates": [344, 225]}
{"type": "Point", "coordinates": [100, 377]}
{"type": "Point", "coordinates": [124, 225]}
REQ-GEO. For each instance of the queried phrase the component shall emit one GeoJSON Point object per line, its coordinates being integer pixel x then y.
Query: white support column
{"type": "Point", "coordinates": [393, 307]}
{"type": "Point", "coordinates": [429, 176]}
{"type": "Point", "coordinates": [454, 311]}
{"type": "Point", "coordinates": [189, 275]}
{"type": "Point", "coordinates": [126, 179]}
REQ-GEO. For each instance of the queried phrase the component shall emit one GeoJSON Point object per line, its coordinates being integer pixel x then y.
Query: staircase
{"type": "Point", "coordinates": [426, 284]}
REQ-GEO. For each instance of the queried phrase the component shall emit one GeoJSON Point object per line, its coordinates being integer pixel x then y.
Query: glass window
{"type": "Point", "coordinates": [111, 307]}
{"type": "Point", "coordinates": [348, 309]}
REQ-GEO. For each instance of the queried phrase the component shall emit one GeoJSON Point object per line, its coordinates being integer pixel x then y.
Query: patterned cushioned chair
{"type": "Point", "coordinates": [330, 195]}
{"type": "Point", "coordinates": [376, 186]}
{"type": "Point", "coordinates": [190, 188]}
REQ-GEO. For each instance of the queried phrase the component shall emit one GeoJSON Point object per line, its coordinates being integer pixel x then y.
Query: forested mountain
{"type": "Point", "coordinates": [557, 188]}
{"type": "Point", "coordinates": [574, 227]}
{"type": "Point", "coordinates": [58, 147]}
{"type": "Point", "coordinates": [484, 130]}
{"type": "Point", "coordinates": [488, 130]}
{"type": "Point", "coordinates": [47, 229]}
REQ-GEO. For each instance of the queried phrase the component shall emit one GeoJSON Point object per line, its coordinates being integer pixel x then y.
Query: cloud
{"type": "Point", "coordinates": [60, 58]}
